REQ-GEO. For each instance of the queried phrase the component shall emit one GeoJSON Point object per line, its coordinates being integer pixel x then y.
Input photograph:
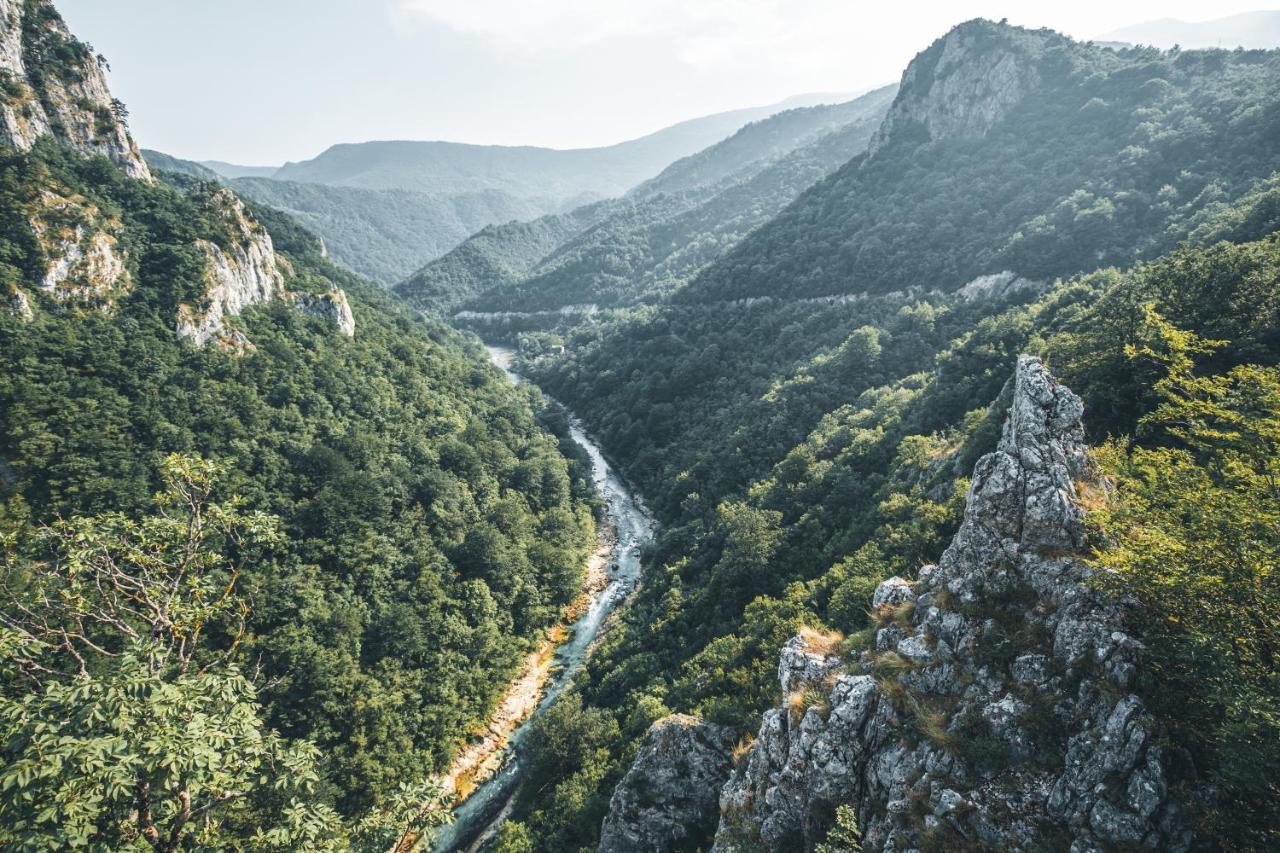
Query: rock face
{"type": "Point", "coordinates": [51, 84]}
{"type": "Point", "coordinates": [241, 273]}
{"type": "Point", "coordinates": [331, 306]}
{"type": "Point", "coordinates": [20, 306]}
{"type": "Point", "coordinates": [999, 286]}
{"type": "Point", "coordinates": [1000, 714]}
{"type": "Point", "coordinates": [83, 264]}
{"type": "Point", "coordinates": [961, 85]}
{"type": "Point", "coordinates": [669, 796]}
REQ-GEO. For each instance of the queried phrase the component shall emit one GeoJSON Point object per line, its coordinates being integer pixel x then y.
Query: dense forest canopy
{"type": "Point", "coordinates": [789, 525]}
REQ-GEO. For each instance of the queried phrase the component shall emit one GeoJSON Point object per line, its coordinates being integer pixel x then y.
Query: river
{"type": "Point", "coordinates": [479, 814]}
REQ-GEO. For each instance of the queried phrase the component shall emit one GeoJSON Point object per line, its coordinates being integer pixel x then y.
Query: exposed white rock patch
{"type": "Point", "coordinates": [20, 306]}
{"type": "Point", "coordinates": [999, 286]}
{"type": "Point", "coordinates": [83, 263]}
{"type": "Point", "coordinates": [668, 798]}
{"type": "Point", "coordinates": [959, 88]}
{"type": "Point", "coordinates": [1074, 762]}
{"type": "Point", "coordinates": [245, 272]}
{"type": "Point", "coordinates": [69, 101]}
{"type": "Point", "coordinates": [332, 306]}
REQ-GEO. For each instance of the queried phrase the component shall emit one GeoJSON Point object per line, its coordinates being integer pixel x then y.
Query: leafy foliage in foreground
{"type": "Point", "coordinates": [1195, 540]}
{"type": "Point", "coordinates": [126, 719]}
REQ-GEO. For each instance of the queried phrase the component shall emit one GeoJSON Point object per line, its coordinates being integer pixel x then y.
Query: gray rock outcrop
{"type": "Point", "coordinates": [960, 88]}
{"type": "Point", "coordinates": [83, 264]}
{"type": "Point", "coordinates": [1000, 285]}
{"type": "Point", "coordinates": [44, 92]}
{"type": "Point", "coordinates": [1002, 716]}
{"type": "Point", "coordinates": [332, 307]}
{"type": "Point", "coordinates": [669, 795]}
{"type": "Point", "coordinates": [241, 273]}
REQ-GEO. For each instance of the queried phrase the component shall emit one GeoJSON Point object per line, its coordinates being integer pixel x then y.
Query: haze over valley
{"type": "Point", "coordinates": [891, 467]}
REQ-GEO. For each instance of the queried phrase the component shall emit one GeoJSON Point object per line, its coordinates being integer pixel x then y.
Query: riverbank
{"type": "Point", "coordinates": [481, 758]}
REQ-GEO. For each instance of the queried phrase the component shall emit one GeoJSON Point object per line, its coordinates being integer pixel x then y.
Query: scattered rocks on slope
{"type": "Point", "coordinates": [669, 795]}
{"type": "Point", "coordinates": [1003, 716]}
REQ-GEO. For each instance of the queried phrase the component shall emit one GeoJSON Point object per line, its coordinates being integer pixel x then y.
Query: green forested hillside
{"type": "Point", "coordinates": [764, 139]}
{"type": "Point", "coordinates": [1107, 158]}
{"type": "Point", "coordinates": [496, 256]}
{"type": "Point", "coordinates": [386, 234]}
{"type": "Point", "coordinates": [800, 450]}
{"type": "Point", "coordinates": [650, 242]}
{"type": "Point", "coordinates": [429, 526]}
{"type": "Point", "coordinates": [660, 236]}
{"type": "Point", "coordinates": [841, 460]}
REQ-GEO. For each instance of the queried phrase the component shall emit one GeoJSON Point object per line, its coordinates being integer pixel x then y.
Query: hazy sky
{"type": "Point", "coordinates": [264, 81]}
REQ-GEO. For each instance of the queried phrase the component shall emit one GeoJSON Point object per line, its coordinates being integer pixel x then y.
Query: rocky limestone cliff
{"type": "Point", "coordinates": [52, 84]}
{"type": "Point", "coordinates": [332, 307]}
{"type": "Point", "coordinates": [966, 82]}
{"type": "Point", "coordinates": [668, 797]}
{"type": "Point", "coordinates": [84, 266]}
{"type": "Point", "coordinates": [243, 272]}
{"type": "Point", "coordinates": [996, 710]}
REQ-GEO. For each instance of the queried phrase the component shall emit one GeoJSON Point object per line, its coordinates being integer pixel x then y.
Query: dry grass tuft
{"type": "Point", "coordinates": [822, 642]}
{"type": "Point", "coordinates": [741, 748]}
{"type": "Point", "coordinates": [1091, 496]}
{"type": "Point", "coordinates": [804, 698]}
{"type": "Point", "coordinates": [889, 664]}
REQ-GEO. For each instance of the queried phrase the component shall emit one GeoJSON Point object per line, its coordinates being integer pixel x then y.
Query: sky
{"type": "Point", "coordinates": [261, 82]}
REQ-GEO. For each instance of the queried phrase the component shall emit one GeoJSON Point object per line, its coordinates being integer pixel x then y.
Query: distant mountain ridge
{"type": "Point", "coordinates": [232, 170]}
{"type": "Point", "coordinates": [647, 252]}
{"type": "Point", "coordinates": [1250, 30]}
{"type": "Point", "coordinates": [621, 250]}
{"type": "Point", "coordinates": [385, 209]}
{"type": "Point", "coordinates": [564, 175]}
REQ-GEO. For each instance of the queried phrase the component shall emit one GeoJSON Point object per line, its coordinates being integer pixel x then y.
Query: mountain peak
{"type": "Point", "coordinates": [51, 84]}
{"type": "Point", "coordinates": [966, 81]}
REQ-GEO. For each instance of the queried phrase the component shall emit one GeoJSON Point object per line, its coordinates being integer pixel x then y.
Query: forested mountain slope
{"type": "Point", "coordinates": [386, 234]}
{"type": "Point", "coordinates": [497, 256]}
{"type": "Point", "coordinates": [800, 451]}
{"type": "Point", "coordinates": [1078, 156]}
{"type": "Point", "coordinates": [762, 140]}
{"type": "Point", "coordinates": [171, 339]}
{"type": "Point", "coordinates": [647, 244]}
